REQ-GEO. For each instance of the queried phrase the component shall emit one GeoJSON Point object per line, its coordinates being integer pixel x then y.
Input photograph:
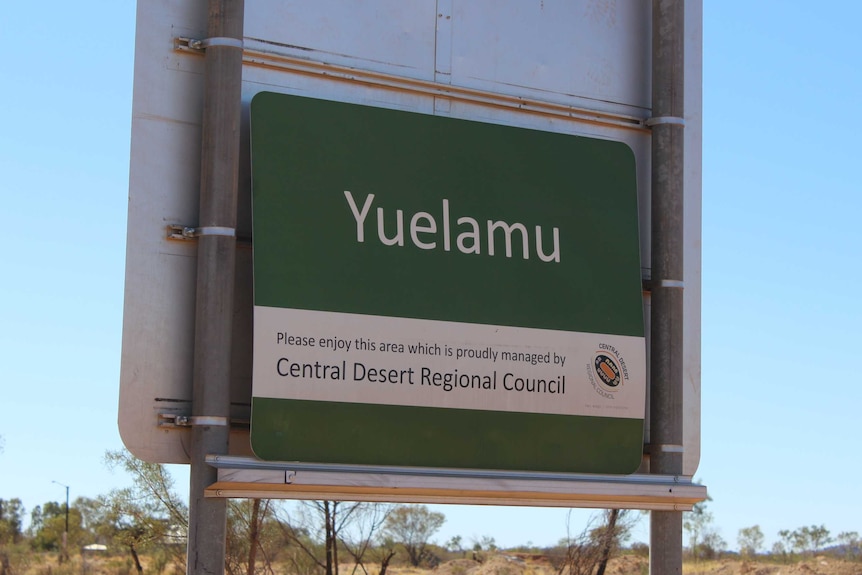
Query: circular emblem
{"type": "Point", "coordinates": [607, 370]}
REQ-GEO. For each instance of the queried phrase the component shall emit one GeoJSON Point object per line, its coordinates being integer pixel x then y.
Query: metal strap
{"type": "Point", "coordinates": [664, 448]}
{"type": "Point", "coordinates": [216, 231]}
{"type": "Point", "coordinates": [675, 120]}
{"type": "Point", "coordinates": [209, 420]}
{"type": "Point", "coordinates": [678, 284]}
{"type": "Point", "coordinates": [222, 42]}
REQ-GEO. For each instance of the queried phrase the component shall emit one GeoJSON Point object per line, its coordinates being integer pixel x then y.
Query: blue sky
{"type": "Point", "coordinates": [781, 252]}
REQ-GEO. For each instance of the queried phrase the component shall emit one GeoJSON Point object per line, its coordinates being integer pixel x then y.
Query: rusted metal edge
{"type": "Point", "coordinates": [273, 60]}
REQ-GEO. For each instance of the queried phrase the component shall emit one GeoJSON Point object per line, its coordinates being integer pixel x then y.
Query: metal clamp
{"type": "Point", "coordinates": [198, 45]}
{"type": "Point", "coordinates": [174, 420]}
{"type": "Point", "coordinates": [677, 284]}
{"type": "Point", "coordinates": [190, 233]}
{"type": "Point", "coordinates": [181, 233]}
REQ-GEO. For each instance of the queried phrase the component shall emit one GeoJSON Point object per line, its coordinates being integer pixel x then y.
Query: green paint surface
{"type": "Point", "coordinates": [306, 153]}
{"type": "Point", "coordinates": [353, 433]}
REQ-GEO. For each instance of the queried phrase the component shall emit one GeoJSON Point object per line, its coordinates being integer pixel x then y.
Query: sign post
{"type": "Point", "coordinates": [216, 264]}
{"type": "Point", "coordinates": [421, 189]}
{"type": "Point", "coordinates": [666, 376]}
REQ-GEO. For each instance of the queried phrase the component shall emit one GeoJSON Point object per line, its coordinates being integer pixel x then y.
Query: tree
{"type": "Point", "coordinates": [252, 535]}
{"type": "Point", "coordinates": [800, 540]}
{"type": "Point", "coordinates": [366, 528]}
{"type": "Point", "coordinates": [850, 543]}
{"type": "Point", "coordinates": [11, 520]}
{"type": "Point", "coordinates": [697, 523]}
{"type": "Point", "coordinates": [807, 539]}
{"type": "Point", "coordinates": [134, 524]}
{"type": "Point", "coordinates": [713, 544]}
{"type": "Point", "coordinates": [147, 514]}
{"type": "Point", "coordinates": [591, 551]}
{"type": "Point", "coordinates": [412, 526]}
{"type": "Point", "coordinates": [778, 550]}
{"type": "Point", "coordinates": [38, 516]}
{"type": "Point", "coordinates": [383, 552]}
{"type": "Point", "coordinates": [93, 527]}
{"type": "Point", "coordinates": [454, 544]}
{"type": "Point", "coordinates": [786, 543]}
{"type": "Point", "coordinates": [750, 540]}
{"type": "Point", "coordinates": [609, 537]}
{"type": "Point", "coordinates": [153, 484]}
{"type": "Point", "coordinates": [484, 543]}
{"type": "Point", "coordinates": [320, 529]}
{"type": "Point", "coordinates": [50, 524]}
{"type": "Point", "coordinates": [819, 537]}
{"type": "Point", "coordinates": [705, 541]}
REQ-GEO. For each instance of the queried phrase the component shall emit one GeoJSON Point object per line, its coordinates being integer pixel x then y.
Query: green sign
{"type": "Point", "coordinates": [443, 293]}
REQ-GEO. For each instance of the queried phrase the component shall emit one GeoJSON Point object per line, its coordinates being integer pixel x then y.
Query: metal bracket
{"type": "Point", "coordinates": [252, 478]}
{"type": "Point", "coordinates": [190, 233]}
{"type": "Point", "coordinates": [183, 421]}
{"type": "Point", "coordinates": [184, 44]}
{"type": "Point", "coordinates": [181, 233]}
{"type": "Point", "coordinates": [197, 45]}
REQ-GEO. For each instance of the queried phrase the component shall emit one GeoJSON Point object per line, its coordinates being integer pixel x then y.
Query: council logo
{"type": "Point", "coordinates": [607, 371]}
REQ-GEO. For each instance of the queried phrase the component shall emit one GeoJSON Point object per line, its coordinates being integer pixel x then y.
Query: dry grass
{"type": "Point", "coordinates": [501, 564]}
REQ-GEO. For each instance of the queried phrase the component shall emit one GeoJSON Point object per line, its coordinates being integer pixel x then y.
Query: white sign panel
{"type": "Point", "coordinates": [577, 68]}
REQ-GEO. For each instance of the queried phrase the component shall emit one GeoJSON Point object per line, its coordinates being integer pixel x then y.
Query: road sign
{"type": "Point", "coordinates": [465, 294]}
{"type": "Point", "coordinates": [564, 67]}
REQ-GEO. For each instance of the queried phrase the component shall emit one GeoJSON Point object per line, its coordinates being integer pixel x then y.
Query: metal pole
{"type": "Point", "coordinates": [666, 337]}
{"type": "Point", "coordinates": [215, 280]}
{"type": "Point", "coordinates": [66, 529]}
{"type": "Point", "coordinates": [65, 552]}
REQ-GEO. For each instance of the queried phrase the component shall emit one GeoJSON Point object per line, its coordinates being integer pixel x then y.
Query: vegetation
{"type": "Point", "coordinates": [705, 542]}
{"type": "Point", "coordinates": [750, 541]}
{"type": "Point", "coordinates": [143, 528]}
{"type": "Point", "coordinates": [412, 526]}
{"type": "Point", "coordinates": [590, 552]}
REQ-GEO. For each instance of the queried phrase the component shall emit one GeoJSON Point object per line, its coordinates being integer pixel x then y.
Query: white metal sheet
{"type": "Point", "coordinates": [596, 52]}
{"type": "Point", "coordinates": [579, 55]}
{"type": "Point", "coordinates": [384, 35]}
